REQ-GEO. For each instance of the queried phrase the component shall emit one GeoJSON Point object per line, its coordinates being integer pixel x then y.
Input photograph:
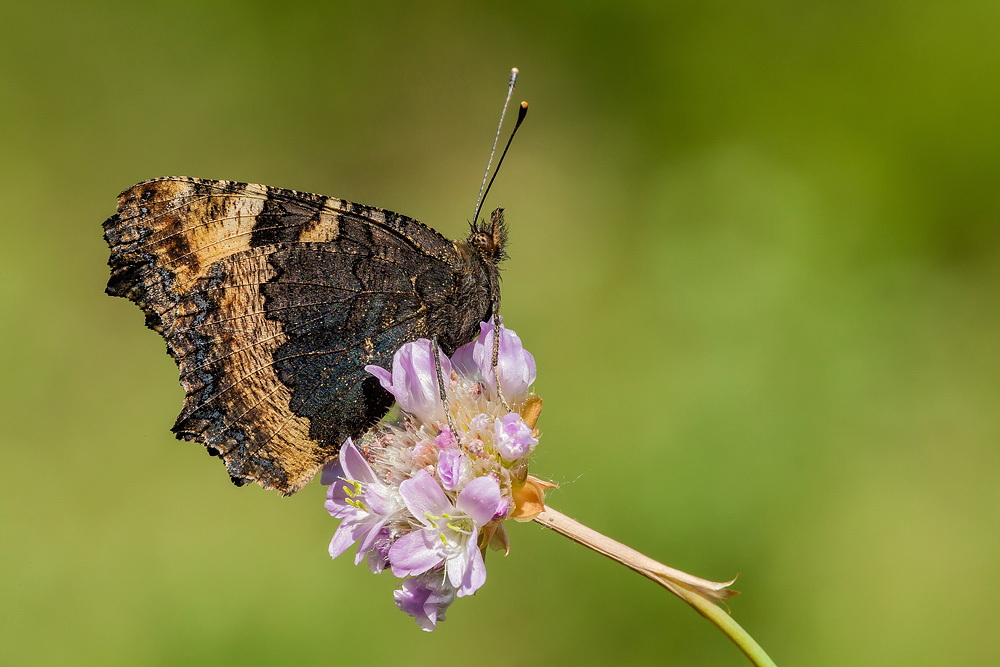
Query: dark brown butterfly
{"type": "Point", "coordinates": [272, 302]}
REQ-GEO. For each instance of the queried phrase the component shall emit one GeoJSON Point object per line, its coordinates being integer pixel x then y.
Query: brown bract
{"type": "Point", "coordinates": [529, 499]}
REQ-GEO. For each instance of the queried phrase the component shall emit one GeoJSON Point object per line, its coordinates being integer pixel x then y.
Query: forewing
{"type": "Point", "coordinates": [272, 302]}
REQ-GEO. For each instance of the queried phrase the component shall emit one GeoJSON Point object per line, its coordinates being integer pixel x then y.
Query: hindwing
{"type": "Point", "coordinates": [271, 302]}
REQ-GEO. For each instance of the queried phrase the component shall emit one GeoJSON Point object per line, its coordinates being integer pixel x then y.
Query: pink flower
{"type": "Point", "coordinates": [425, 598]}
{"type": "Point", "coordinates": [515, 365]}
{"type": "Point", "coordinates": [361, 502]}
{"type": "Point", "coordinates": [447, 534]}
{"type": "Point", "coordinates": [428, 491]}
{"type": "Point", "coordinates": [413, 380]}
{"type": "Point", "coordinates": [451, 468]}
{"type": "Point", "coordinates": [513, 437]}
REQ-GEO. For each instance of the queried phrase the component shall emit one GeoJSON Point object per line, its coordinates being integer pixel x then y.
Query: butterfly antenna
{"type": "Point", "coordinates": [521, 113]}
{"type": "Point", "coordinates": [510, 91]}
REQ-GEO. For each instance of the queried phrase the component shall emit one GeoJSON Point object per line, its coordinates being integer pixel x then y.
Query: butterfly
{"type": "Point", "coordinates": [273, 301]}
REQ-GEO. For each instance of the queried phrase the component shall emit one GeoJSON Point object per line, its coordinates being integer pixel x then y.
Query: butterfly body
{"type": "Point", "coordinates": [272, 301]}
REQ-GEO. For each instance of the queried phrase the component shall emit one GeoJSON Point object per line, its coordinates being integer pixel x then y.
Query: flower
{"type": "Point", "coordinates": [513, 437]}
{"type": "Point", "coordinates": [445, 439]}
{"type": "Point", "coordinates": [447, 534]}
{"type": "Point", "coordinates": [515, 365]}
{"type": "Point", "coordinates": [425, 494]}
{"type": "Point", "coordinates": [450, 468]}
{"type": "Point", "coordinates": [360, 501]}
{"type": "Point", "coordinates": [413, 380]}
{"type": "Point", "coordinates": [426, 598]}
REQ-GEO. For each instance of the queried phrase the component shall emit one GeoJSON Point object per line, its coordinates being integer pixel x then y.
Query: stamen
{"type": "Point", "coordinates": [357, 504]}
{"type": "Point", "coordinates": [458, 529]}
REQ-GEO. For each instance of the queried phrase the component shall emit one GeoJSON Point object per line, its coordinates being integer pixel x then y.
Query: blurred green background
{"type": "Point", "coordinates": [754, 250]}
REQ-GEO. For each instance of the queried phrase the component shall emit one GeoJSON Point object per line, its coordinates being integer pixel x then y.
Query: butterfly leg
{"type": "Point", "coordinates": [441, 385]}
{"type": "Point", "coordinates": [496, 352]}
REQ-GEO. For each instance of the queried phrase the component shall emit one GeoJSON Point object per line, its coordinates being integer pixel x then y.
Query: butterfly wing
{"type": "Point", "coordinates": [272, 302]}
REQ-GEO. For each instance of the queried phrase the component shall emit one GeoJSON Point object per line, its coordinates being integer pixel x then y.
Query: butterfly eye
{"type": "Point", "coordinates": [482, 241]}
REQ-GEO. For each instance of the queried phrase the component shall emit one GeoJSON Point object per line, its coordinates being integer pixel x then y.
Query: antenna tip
{"type": "Point", "coordinates": [514, 72]}
{"type": "Point", "coordinates": [521, 113]}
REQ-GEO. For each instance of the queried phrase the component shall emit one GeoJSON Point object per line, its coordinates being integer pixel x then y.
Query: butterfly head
{"type": "Point", "coordinates": [490, 238]}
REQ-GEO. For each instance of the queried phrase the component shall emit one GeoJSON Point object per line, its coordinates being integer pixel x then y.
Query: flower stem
{"type": "Point", "coordinates": [701, 594]}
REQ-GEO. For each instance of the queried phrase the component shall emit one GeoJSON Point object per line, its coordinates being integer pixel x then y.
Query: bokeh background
{"type": "Point", "coordinates": [754, 250]}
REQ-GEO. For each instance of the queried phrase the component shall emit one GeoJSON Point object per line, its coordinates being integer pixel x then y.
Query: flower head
{"type": "Point", "coordinates": [431, 491]}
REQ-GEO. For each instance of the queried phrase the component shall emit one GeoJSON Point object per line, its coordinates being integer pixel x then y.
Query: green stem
{"type": "Point", "coordinates": [727, 624]}
{"type": "Point", "coordinates": [701, 594]}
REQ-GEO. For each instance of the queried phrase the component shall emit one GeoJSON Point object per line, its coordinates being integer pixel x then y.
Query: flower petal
{"type": "Point", "coordinates": [515, 365]}
{"type": "Point", "coordinates": [374, 530]}
{"type": "Point", "coordinates": [410, 598]}
{"type": "Point", "coordinates": [378, 555]}
{"type": "Point", "coordinates": [464, 362]}
{"type": "Point", "coordinates": [415, 381]}
{"type": "Point", "coordinates": [425, 598]}
{"type": "Point", "coordinates": [423, 496]}
{"type": "Point", "coordinates": [383, 376]}
{"type": "Point", "coordinates": [449, 468]}
{"type": "Point", "coordinates": [348, 532]}
{"type": "Point", "coordinates": [354, 464]}
{"type": "Point", "coordinates": [411, 554]}
{"type": "Point", "coordinates": [338, 501]}
{"type": "Point", "coordinates": [332, 471]}
{"type": "Point", "coordinates": [480, 499]}
{"type": "Point", "coordinates": [513, 437]}
{"type": "Point", "coordinates": [475, 574]}
{"type": "Point", "coordinates": [381, 500]}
